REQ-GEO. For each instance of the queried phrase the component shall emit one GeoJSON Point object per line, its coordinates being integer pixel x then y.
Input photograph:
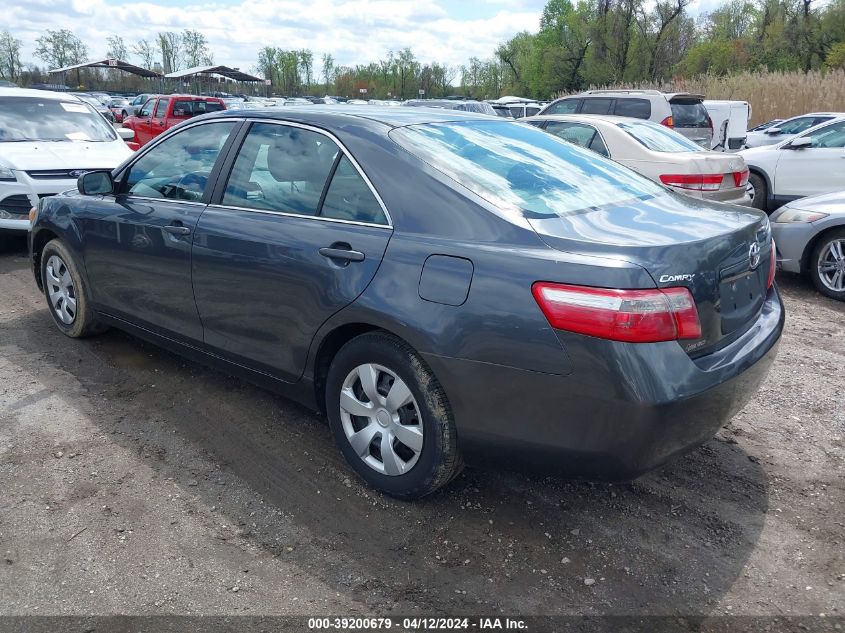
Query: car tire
{"type": "Point", "coordinates": [829, 253]}
{"type": "Point", "coordinates": [373, 443]}
{"type": "Point", "coordinates": [66, 292]}
{"type": "Point", "coordinates": [123, 116]}
{"type": "Point", "coordinates": [760, 191]}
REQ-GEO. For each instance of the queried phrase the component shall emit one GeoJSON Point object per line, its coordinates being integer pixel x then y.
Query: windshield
{"type": "Point", "coordinates": [522, 169]}
{"type": "Point", "coordinates": [36, 119]}
{"type": "Point", "coordinates": [658, 138]}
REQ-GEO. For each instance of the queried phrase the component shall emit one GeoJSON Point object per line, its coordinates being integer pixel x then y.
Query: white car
{"type": "Point", "coordinates": [806, 165]}
{"type": "Point", "coordinates": [47, 140]}
{"type": "Point", "coordinates": [730, 122]}
{"type": "Point", "coordinates": [789, 128]}
{"type": "Point", "coordinates": [656, 152]}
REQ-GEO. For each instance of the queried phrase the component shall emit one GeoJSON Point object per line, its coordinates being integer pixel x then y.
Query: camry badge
{"type": "Point", "coordinates": [753, 256]}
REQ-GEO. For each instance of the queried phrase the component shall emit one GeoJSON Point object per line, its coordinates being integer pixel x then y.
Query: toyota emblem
{"type": "Point", "coordinates": [753, 256]}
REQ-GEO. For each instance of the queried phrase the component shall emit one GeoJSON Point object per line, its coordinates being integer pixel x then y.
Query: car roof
{"type": "Point", "coordinates": [336, 115]}
{"type": "Point", "coordinates": [798, 116]}
{"type": "Point", "coordinates": [584, 118]}
{"type": "Point", "coordinates": [44, 94]}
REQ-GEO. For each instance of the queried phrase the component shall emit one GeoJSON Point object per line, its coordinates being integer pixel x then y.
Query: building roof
{"type": "Point", "coordinates": [111, 63]}
{"type": "Point", "coordinates": [225, 71]}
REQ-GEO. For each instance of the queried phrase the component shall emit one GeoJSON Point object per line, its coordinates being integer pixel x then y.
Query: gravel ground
{"type": "Point", "coordinates": [134, 482]}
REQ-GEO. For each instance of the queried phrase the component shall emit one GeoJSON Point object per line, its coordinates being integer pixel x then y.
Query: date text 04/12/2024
{"type": "Point", "coordinates": [417, 624]}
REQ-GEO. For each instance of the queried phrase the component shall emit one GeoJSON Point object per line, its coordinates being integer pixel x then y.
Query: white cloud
{"type": "Point", "coordinates": [354, 31]}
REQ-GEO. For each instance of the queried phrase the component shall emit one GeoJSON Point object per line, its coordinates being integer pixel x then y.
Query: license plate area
{"type": "Point", "coordinates": [741, 295]}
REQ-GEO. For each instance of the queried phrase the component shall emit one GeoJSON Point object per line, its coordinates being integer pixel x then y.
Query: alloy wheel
{"type": "Point", "coordinates": [60, 290]}
{"type": "Point", "coordinates": [381, 419]}
{"type": "Point", "coordinates": [831, 265]}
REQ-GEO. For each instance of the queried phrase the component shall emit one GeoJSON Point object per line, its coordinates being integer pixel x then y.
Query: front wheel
{"type": "Point", "coordinates": [390, 417]}
{"type": "Point", "coordinates": [827, 264]}
{"type": "Point", "coordinates": [756, 188]}
{"type": "Point", "coordinates": [66, 293]}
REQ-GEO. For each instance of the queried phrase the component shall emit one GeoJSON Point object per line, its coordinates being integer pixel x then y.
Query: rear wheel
{"type": "Point", "coordinates": [390, 417]}
{"type": "Point", "coordinates": [757, 190]}
{"type": "Point", "coordinates": [67, 295]}
{"type": "Point", "coordinates": [827, 264]}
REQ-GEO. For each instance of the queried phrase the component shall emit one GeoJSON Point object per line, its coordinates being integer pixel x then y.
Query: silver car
{"type": "Point", "coordinates": [810, 238]}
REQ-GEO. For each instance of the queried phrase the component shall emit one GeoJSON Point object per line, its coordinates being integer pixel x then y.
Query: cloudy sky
{"type": "Point", "coordinates": [354, 31]}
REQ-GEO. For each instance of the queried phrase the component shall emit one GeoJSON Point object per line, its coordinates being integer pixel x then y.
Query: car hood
{"type": "Point", "coordinates": [828, 203]}
{"type": "Point", "coordinates": [63, 155]}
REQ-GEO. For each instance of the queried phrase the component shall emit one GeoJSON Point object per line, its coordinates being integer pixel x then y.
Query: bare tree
{"type": "Point", "coordinates": [147, 52]}
{"type": "Point", "coordinates": [117, 48]}
{"type": "Point", "coordinates": [170, 44]}
{"type": "Point", "coordinates": [10, 56]}
{"type": "Point", "coordinates": [60, 48]}
{"type": "Point", "coordinates": [328, 69]}
{"type": "Point", "coordinates": [195, 49]}
{"type": "Point", "coordinates": [653, 28]}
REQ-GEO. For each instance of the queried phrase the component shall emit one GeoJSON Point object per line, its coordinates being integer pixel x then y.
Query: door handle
{"type": "Point", "coordinates": [177, 229]}
{"type": "Point", "coordinates": [345, 254]}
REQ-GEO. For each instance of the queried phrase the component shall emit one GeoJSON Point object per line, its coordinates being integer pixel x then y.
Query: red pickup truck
{"type": "Point", "coordinates": [162, 112]}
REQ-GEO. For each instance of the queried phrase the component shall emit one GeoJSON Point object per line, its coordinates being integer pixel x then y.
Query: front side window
{"type": "Point", "coordinates": [147, 110]}
{"type": "Point", "coordinates": [178, 167]}
{"type": "Point", "coordinates": [281, 168]}
{"type": "Point", "coordinates": [523, 170]}
{"type": "Point", "coordinates": [829, 137]}
{"type": "Point", "coordinates": [38, 119]}
{"type": "Point", "coordinates": [658, 138]}
{"type": "Point", "coordinates": [567, 106]}
{"type": "Point", "coordinates": [161, 108]}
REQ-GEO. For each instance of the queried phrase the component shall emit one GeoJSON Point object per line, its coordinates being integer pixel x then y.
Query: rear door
{"type": "Point", "coordinates": [295, 234]}
{"type": "Point", "coordinates": [817, 169]}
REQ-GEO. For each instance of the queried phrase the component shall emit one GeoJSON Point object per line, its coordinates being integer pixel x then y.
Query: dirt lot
{"type": "Point", "coordinates": [135, 482]}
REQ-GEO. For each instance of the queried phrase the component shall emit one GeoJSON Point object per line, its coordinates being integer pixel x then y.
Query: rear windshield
{"type": "Point", "coordinates": [689, 114]}
{"type": "Point", "coordinates": [190, 108]}
{"type": "Point", "coordinates": [659, 138]}
{"type": "Point", "coordinates": [36, 119]}
{"type": "Point", "coordinates": [521, 169]}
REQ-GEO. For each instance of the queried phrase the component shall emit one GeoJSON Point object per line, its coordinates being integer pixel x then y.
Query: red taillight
{"type": "Point", "coordinates": [633, 316]}
{"type": "Point", "coordinates": [772, 266]}
{"type": "Point", "coordinates": [740, 178]}
{"type": "Point", "coordinates": [695, 182]}
{"type": "Point", "coordinates": [710, 124]}
{"type": "Point", "coordinates": [668, 122]}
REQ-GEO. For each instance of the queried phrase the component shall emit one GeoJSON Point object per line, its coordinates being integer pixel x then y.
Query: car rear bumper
{"type": "Point", "coordinates": [730, 196]}
{"type": "Point", "coordinates": [624, 410]}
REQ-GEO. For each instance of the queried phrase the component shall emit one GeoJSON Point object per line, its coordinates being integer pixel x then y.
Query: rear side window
{"type": "Point", "coordinates": [531, 110]}
{"type": "Point", "coordinates": [689, 114]}
{"type": "Point", "coordinates": [796, 126]}
{"type": "Point", "coordinates": [188, 108]}
{"type": "Point", "coordinates": [636, 108]}
{"type": "Point", "coordinates": [281, 168]}
{"type": "Point", "coordinates": [580, 134]}
{"type": "Point", "coordinates": [349, 197]}
{"type": "Point", "coordinates": [598, 105]}
{"type": "Point", "coordinates": [566, 106]}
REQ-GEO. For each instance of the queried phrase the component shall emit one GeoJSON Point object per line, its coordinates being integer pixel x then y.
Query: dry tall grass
{"type": "Point", "coordinates": [771, 94]}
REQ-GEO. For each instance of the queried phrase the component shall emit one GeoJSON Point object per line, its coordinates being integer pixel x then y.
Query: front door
{"type": "Point", "coordinates": [296, 234]}
{"type": "Point", "coordinates": [816, 169]}
{"type": "Point", "coordinates": [138, 242]}
{"type": "Point", "coordinates": [143, 124]}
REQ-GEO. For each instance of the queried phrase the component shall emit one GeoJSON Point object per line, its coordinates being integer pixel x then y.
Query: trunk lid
{"type": "Point", "coordinates": [720, 252]}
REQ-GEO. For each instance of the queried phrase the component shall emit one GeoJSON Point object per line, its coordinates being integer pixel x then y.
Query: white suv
{"type": "Point", "coordinates": [683, 112]}
{"type": "Point", "coordinates": [47, 140]}
{"type": "Point", "coordinates": [808, 164]}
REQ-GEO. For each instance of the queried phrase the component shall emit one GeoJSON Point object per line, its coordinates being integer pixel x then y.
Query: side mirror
{"type": "Point", "coordinates": [800, 143]}
{"type": "Point", "coordinates": [773, 131]}
{"type": "Point", "coordinates": [127, 134]}
{"type": "Point", "coordinates": [95, 183]}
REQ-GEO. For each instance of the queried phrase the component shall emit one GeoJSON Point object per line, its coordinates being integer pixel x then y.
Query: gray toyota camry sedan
{"type": "Point", "coordinates": [439, 284]}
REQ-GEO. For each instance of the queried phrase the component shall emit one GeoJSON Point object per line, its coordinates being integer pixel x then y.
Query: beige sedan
{"type": "Point", "coordinates": [656, 152]}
